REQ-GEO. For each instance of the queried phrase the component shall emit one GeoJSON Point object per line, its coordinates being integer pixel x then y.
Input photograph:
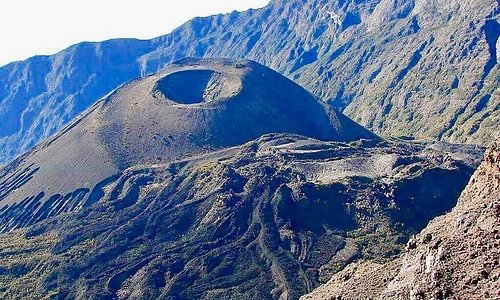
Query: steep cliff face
{"type": "Point", "coordinates": [422, 68]}
{"type": "Point", "coordinates": [454, 257]}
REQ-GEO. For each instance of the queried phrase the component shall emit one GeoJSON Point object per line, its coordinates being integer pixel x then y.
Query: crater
{"type": "Point", "coordinates": [198, 86]}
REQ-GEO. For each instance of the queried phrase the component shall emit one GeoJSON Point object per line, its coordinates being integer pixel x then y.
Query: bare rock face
{"type": "Point", "coordinates": [419, 68]}
{"type": "Point", "coordinates": [455, 257]}
{"type": "Point", "coordinates": [358, 280]}
{"type": "Point", "coordinates": [191, 107]}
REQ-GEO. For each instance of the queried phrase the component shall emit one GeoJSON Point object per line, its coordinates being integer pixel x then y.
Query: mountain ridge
{"type": "Point", "coordinates": [330, 47]}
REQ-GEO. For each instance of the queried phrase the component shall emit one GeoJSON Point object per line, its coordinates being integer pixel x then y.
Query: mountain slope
{"type": "Point", "coordinates": [266, 220]}
{"type": "Point", "coordinates": [213, 178]}
{"type": "Point", "coordinates": [38, 97]}
{"type": "Point", "coordinates": [454, 257]}
{"type": "Point", "coordinates": [422, 68]}
{"type": "Point", "coordinates": [191, 107]}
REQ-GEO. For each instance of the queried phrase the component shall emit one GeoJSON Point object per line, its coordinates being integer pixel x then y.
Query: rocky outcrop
{"type": "Point", "coordinates": [420, 68]}
{"type": "Point", "coordinates": [455, 257]}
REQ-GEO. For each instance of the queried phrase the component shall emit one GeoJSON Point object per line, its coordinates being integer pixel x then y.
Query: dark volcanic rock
{"type": "Point", "coordinates": [266, 220]}
{"type": "Point", "coordinates": [421, 68]}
